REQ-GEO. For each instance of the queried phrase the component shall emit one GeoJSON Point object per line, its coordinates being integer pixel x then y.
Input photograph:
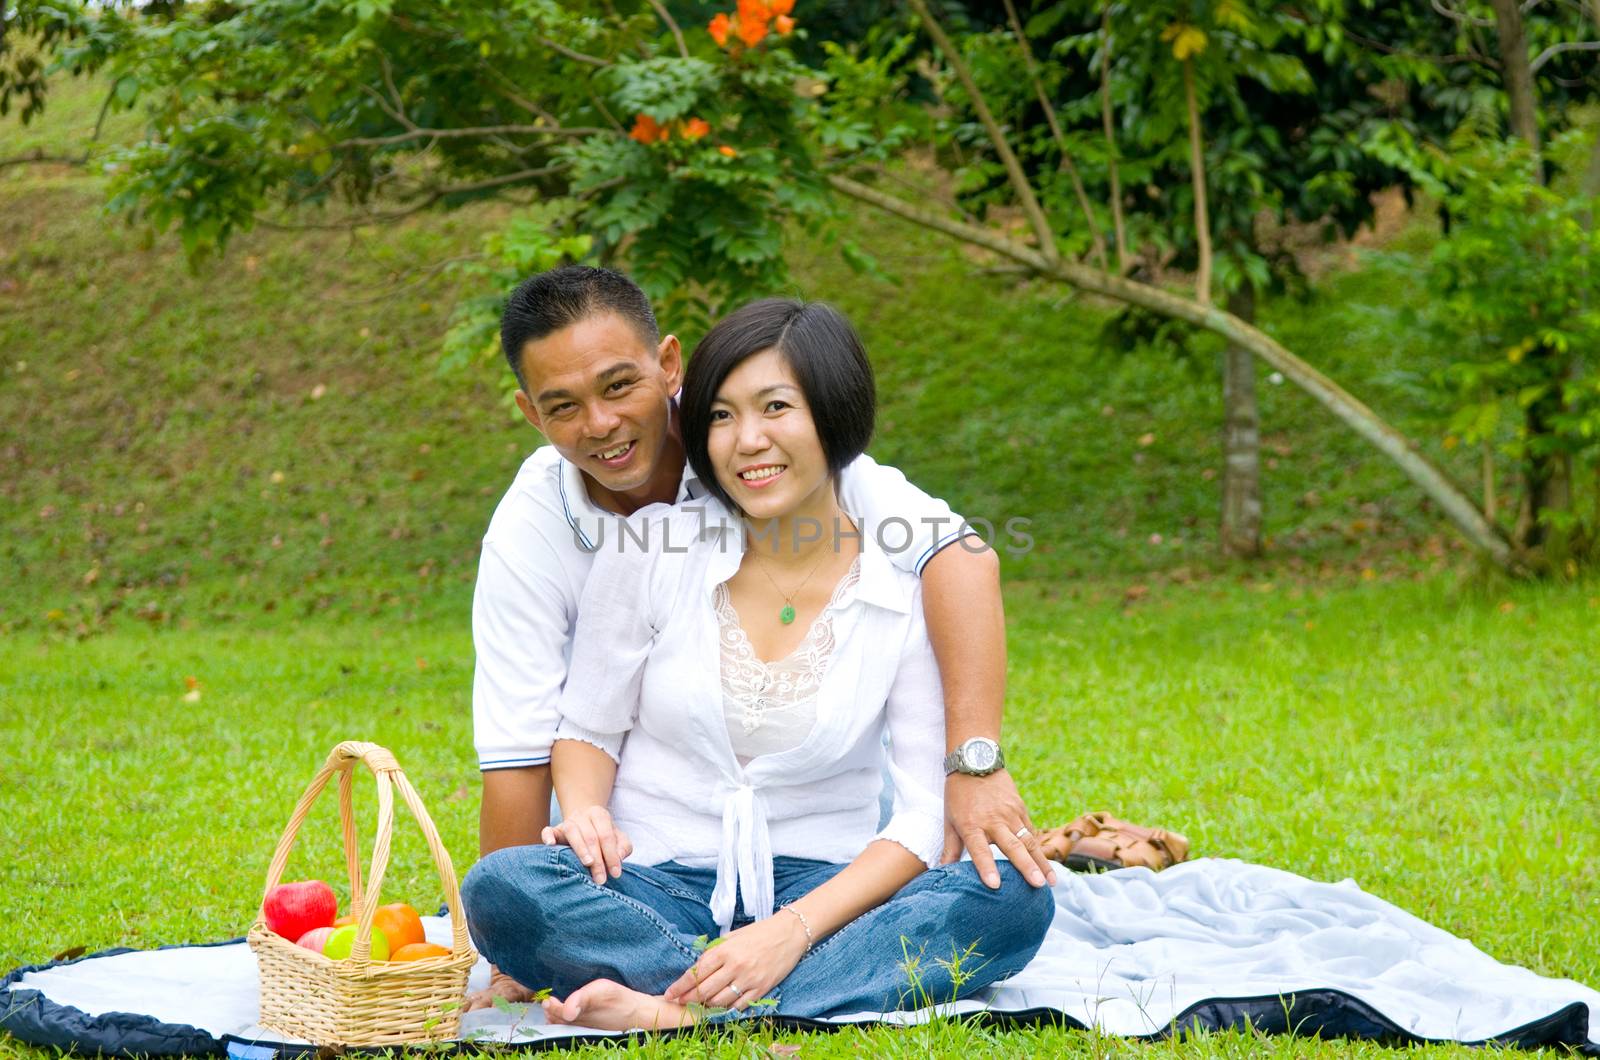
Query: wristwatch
{"type": "Point", "coordinates": [977, 757]}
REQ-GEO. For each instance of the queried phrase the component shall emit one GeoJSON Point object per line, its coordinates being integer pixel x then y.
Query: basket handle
{"type": "Point", "coordinates": [388, 774]}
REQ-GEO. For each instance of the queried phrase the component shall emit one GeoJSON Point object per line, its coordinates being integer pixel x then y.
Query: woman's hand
{"type": "Point", "coordinates": [744, 965]}
{"type": "Point", "coordinates": [599, 844]}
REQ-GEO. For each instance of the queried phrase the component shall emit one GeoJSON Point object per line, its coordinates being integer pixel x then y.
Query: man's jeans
{"type": "Point", "coordinates": [537, 915]}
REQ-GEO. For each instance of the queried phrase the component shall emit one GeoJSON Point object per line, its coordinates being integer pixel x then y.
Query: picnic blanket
{"type": "Point", "coordinates": [1211, 943]}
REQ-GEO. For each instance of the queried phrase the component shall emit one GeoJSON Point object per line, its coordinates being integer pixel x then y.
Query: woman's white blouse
{"type": "Point", "coordinates": [645, 686]}
{"type": "Point", "coordinates": [771, 706]}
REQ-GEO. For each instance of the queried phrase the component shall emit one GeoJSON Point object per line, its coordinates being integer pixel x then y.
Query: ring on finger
{"type": "Point", "coordinates": [736, 991]}
{"type": "Point", "coordinates": [1023, 833]}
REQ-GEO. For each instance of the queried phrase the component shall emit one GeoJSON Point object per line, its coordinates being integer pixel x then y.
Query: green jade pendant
{"type": "Point", "coordinates": [786, 616]}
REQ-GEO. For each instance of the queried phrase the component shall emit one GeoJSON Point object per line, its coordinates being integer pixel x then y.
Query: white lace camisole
{"type": "Point", "coordinates": [772, 706]}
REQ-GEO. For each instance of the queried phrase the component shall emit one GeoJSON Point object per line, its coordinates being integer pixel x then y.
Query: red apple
{"type": "Point", "coordinates": [292, 909]}
{"type": "Point", "coordinates": [314, 939]}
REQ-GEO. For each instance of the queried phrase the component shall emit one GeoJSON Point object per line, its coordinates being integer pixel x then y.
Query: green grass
{"type": "Point", "coordinates": [254, 476]}
{"type": "Point", "coordinates": [1427, 742]}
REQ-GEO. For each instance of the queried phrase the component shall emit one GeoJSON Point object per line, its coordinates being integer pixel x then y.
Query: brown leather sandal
{"type": "Point", "coordinates": [1099, 842]}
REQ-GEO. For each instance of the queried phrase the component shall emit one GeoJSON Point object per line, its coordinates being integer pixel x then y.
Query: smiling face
{"type": "Point", "coordinates": [763, 443]}
{"type": "Point", "coordinates": [602, 395]}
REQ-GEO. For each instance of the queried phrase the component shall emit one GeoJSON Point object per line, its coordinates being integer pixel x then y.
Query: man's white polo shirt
{"type": "Point", "coordinates": [536, 559]}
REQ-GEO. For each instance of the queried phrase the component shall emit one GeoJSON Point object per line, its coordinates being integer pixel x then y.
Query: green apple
{"type": "Point", "coordinates": [343, 940]}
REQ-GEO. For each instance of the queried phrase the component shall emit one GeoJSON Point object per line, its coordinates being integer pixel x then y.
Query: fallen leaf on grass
{"type": "Point", "coordinates": [71, 953]}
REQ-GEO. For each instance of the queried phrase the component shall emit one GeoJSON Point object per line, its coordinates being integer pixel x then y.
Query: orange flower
{"type": "Point", "coordinates": [780, 7]}
{"type": "Point", "coordinates": [726, 151]}
{"type": "Point", "coordinates": [695, 128]}
{"type": "Point", "coordinates": [784, 25]}
{"type": "Point", "coordinates": [752, 31]}
{"type": "Point", "coordinates": [646, 130]}
{"type": "Point", "coordinates": [718, 28]}
{"type": "Point", "coordinates": [755, 11]}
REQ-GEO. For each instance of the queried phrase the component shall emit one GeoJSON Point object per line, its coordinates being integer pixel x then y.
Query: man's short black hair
{"type": "Point", "coordinates": [557, 299]}
{"type": "Point", "coordinates": [821, 349]}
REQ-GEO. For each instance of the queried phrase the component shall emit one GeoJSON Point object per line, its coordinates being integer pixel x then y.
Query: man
{"type": "Point", "coordinates": [597, 379]}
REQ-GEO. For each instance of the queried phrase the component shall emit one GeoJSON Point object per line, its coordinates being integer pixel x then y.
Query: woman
{"type": "Point", "coordinates": [720, 754]}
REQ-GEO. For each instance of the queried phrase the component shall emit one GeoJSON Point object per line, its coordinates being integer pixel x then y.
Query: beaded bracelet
{"type": "Point", "coordinates": [802, 918]}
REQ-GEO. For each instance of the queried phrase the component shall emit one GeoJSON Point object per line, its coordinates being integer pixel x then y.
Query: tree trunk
{"type": "Point", "coordinates": [1197, 174]}
{"type": "Point", "coordinates": [1096, 238]}
{"type": "Point", "coordinates": [1241, 440]}
{"type": "Point", "coordinates": [1518, 72]}
{"type": "Point", "coordinates": [1547, 476]}
{"type": "Point", "coordinates": [1111, 142]}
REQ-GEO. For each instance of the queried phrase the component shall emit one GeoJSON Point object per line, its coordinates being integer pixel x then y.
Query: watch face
{"type": "Point", "coordinates": [978, 755]}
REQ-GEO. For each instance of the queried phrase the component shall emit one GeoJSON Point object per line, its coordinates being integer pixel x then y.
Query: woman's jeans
{"type": "Point", "coordinates": [538, 916]}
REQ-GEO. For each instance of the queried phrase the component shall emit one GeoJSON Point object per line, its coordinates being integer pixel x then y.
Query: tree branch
{"type": "Point", "coordinates": [418, 133]}
{"type": "Point", "coordinates": [1197, 175]}
{"type": "Point", "coordinates": [1097, 238]}
{"type": "Point", "coordinates": [1460, 16]}
{"type": "Point", "coordinates": [1442, 60]}
{"type": "Point", "coordinates": [1019, 180]}
{"type": "Point", "coordinates": [677, 34]}
{"type": "Point", "coordinates": [967, 233]}
{"type": "Point", "coordinates": [1118, 227]}
{"type": "Point", "coordinates": [1433, 480]}
{"type": "Point", "coordinates": [1556, 49]}
{"type": "Point", "coordinates": [575, 56]}
{"type": "Point", "coordinates": [430, 196]}
{"type": "Point", "coordinates": [38, 157]}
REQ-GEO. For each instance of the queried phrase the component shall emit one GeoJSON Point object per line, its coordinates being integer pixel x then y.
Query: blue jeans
{"type": "Point", "coordinates": [535, 912]}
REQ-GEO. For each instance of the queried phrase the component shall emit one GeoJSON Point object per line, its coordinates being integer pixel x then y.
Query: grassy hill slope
{"type": "Point", "coordinates": [270, 432]}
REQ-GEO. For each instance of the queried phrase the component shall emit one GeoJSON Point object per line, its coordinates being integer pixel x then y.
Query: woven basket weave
{"type": "Point", "coordinates": [359, 1001]}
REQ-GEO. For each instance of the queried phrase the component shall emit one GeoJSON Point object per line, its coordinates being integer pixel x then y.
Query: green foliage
{"type": "Point", "coordinates": [1515, 285]}
{"type": "Point", "coordinates": [371, 111]}
{"type": "Point", "coordinates": [537, 238]}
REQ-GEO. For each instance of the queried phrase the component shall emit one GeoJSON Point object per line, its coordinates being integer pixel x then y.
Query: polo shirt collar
{"type": "Point", "coordinates": [587, 518]}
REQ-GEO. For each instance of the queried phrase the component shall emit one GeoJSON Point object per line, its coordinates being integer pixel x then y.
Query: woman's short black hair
{"type": "Point", "coordinates": [821, 349]}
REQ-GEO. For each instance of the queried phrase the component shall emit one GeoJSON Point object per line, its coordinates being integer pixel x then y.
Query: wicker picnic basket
{"type": "Point", "coordinates": [359, 1001]}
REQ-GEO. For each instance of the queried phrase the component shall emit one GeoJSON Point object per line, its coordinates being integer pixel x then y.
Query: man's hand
{"type": "Point", "coordinates": [500, 986]}
{"type": "Point", "coordinates": [983, 810]}
{"type": "Point", "coordinates": [744, 965]}
{"type": "Point", "coordinates": [599, 844]}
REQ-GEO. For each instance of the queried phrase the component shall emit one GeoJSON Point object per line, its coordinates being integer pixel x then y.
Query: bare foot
{"type": "Point", "coordinates": [500, 985]}
{"type": "Point", "coordinates": [608, 1006]}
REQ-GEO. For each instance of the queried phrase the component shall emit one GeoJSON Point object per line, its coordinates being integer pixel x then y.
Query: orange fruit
{"type": "Point", "coordinates": [417, 951]}
{"type": "Point", "coordinates": [401, 923]}
{"type": "Point", "coordinates": [344, 920]}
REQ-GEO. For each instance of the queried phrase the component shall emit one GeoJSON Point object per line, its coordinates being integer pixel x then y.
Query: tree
{"type": "Point", "coordinates": [1398, 78]}
{"type": "Point", "coordinates": [684, 151]}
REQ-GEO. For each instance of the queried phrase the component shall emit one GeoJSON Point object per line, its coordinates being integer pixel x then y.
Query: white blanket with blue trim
{"type": "Point", "coordinates": [1205, 944]}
